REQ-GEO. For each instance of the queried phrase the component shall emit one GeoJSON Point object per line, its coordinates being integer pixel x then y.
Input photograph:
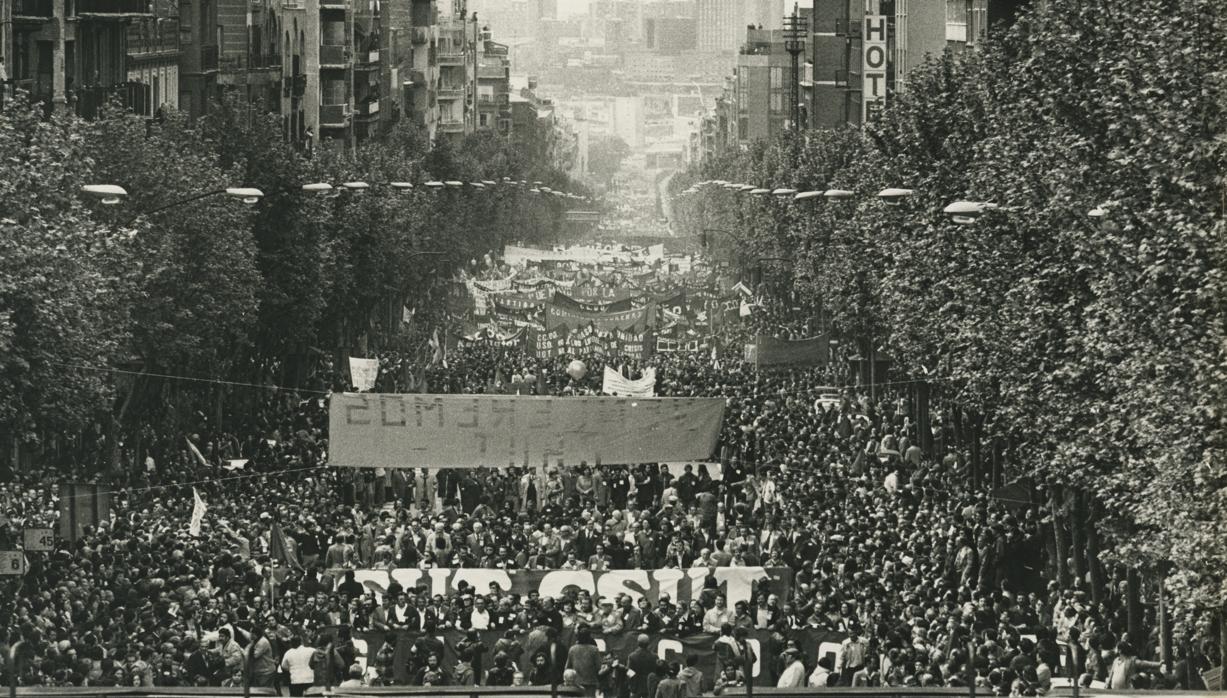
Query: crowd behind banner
{"type": "Point", "coordinates": [920, 577]}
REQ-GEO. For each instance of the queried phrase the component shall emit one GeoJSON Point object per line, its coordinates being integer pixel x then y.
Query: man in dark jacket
{"type": "Point", "coordinates": [642, 662]}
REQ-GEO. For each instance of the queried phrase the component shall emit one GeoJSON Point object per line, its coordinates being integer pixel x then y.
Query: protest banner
{"type": "Point", "coordinates": [622, 301]}
{"type": "Point", "coordinates": [414, 431]}
{"type": "Point", "coordinates": [559, 317]}
{"type": "Point", "coordinates": [812, 643]}
{"type": "Point", "coordinates": [362, 373]}
{"type": "Point", "coordinates": [771, 351]}
{"type": "Point", "coordinates": [615, 383]}
{"type": "Point", "coordinates": [682, 586]}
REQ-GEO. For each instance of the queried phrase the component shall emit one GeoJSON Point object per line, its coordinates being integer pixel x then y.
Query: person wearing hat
{"type": "Point", "coordinates": [793, 675]}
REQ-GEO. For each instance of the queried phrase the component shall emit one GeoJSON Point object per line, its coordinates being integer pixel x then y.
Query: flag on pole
{"type": "Point", "coordinates": [279, 550]}
{"type": "Point", "coordinates": [198, 512]}
{"type": "Point", "coordinates": [437, 347]}
{"type": "Point", "coordinates": [196, 453]}
{"type": "Point", "coordinates": [406, 315]}
{"type": "Point", "coordinates": [746, 309]}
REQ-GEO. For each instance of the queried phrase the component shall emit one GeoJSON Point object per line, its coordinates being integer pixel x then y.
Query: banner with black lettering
{"type": "Point", "coordinates": [558, 317]}
{"type": "Point", "coordinates": [372, 430]}
{"type": "Point", "coordinates": [772, 351]}
{"type": "Point", "coordinates": [410, 650]}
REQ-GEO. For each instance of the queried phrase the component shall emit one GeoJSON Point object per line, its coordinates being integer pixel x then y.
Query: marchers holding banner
{"type": "Point", "coordinates": [813, 645]}
{"type": "Point", "coordinates": [615, 383]}
{"type": "Point", "coordinates": [682, 586]}
{"type": "Point", "coordinates": [771, 351]}
{"type": "Point", "coordinates": [557, 317]}
{"type": "Point", "coordinates": [469, 431]}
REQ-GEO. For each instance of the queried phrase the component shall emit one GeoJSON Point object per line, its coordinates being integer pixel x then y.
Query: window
{"type": "Point", "coordinates": [485, 120]}
{"type": "Point", "coordinates": [743, 128]}
{"type": "Point", "coordinates": [777, 78]}
{"type": "Point", "coordinates": [777, 102]}
{"type": "Point", "coordinates": [956, 20]}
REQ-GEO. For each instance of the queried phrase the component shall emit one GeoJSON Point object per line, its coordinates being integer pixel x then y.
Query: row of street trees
{"type": "Point", "coordinates": [1092, 346]}
{"type": "Point", "coordinates": [215, 289]}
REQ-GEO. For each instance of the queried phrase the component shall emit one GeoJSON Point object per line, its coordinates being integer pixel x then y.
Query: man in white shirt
{"type": "Point", "coordinates": [717, 616]}
{"type": "Point", "coordinates": [479, 618]}
{"type": "Point", "coordinates": [297, 662]}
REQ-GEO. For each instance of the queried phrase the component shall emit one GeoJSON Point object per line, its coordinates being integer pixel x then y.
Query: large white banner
{"type": "Point", "coordinates": [617, 384]}
{"type": "Point", "coordinates": [372, 430]}
{"type": "Point", "coordinates": [682, 586]}
{"type": "Point", "coordinates": [362, 373]}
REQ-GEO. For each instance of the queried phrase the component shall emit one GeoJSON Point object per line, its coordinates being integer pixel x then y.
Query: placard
{"type": "Point", "coordinates": [38, 540]}
{"type": "Point", "coordinates": [469, 431]}
{"type": "Point", "coordinates": [12, 563]}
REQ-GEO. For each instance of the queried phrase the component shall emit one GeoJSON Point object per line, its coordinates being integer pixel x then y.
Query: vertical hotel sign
{"type": "Point", "coordinates": [873, 66]}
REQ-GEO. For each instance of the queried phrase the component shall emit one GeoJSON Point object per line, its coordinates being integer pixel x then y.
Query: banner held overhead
{"type": "Point", "coordinates": [374, 430]}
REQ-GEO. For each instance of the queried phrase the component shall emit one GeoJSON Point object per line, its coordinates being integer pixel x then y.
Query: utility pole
{"type": "Point", "coordinates": [795, 29]}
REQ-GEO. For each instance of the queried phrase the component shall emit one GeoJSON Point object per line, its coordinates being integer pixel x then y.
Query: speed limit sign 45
{"type": "Point", "coordinates": [12, 562]}
{"type": "Point", "coordinates": [39, 540]}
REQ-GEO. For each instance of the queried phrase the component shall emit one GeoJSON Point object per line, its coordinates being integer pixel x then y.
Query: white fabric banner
{"type": "Point", "coordinates": [362, 373]}
{"type": "Point", "coordinates": [616, 384]}
{"type": "Point", "coordinates": [198, 512]}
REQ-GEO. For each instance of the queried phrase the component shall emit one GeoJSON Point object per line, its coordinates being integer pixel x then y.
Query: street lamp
{"type": "Point", "coordinates": [247, 195]}
{"type": "Point", "coordinates": [317, 187]}
{"type": "Point", "coordinates": [356, 186]}
{"type": "Point", "coordinates": [802, 196]}
{"type": "Point", "coordinates": [967, 212]}
{"type": "Point", "coordinates": [402, 186]}
{"type": "Point", "coordinates": [837, 194]}
{"type": "Point", "coordinates": [892, 196]}
{"type": "Point", "coordinates": [107, 194]}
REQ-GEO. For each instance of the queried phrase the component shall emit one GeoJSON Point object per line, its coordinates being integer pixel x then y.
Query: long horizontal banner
{"type": "Point", "coordinates": [584, 341]}
{"type": "Point", "coordinates": [771, 351]}
{"type": "Point", "coordinates": [377, 430]}
{"type": "Point", "coordinates": [630, 300]}
{"type": "Point", "coordinates": [559, 317]}
{"type": "Point", "coordinates": [813, 645]}
{"type": "Point", "coordinates": [682, 586]}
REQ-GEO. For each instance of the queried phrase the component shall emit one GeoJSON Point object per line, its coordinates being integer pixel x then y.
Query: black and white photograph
{"type": "Point", "coordinates": [613, 348]}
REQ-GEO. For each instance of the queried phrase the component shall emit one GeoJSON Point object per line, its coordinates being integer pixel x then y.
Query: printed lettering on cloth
{"type": "Point", "coordinates": [559, 317]}
{"type": "Point", "coordinates": [669, 647]}
{"type": "Point", "coordinates": [682, 586]}
{"type": "Point", "coordinates": [362, 373]}
{"type": "Point", "coordinates": [813, 351]}
{"type": "Point", "coordinates": [374, 430]}
{"type": "Point", "coordinates": [616, 384]}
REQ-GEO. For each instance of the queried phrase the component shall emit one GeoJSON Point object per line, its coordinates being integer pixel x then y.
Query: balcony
{"type": "Point", "coordinates": [292, 5]}
{"type": "Point", "coordinates": [448, 92]}
{"type": "Point", "coordinates": [493, 72]}
{"type": "Point", "coordinates": [208, 58]}
{"type": "Point", "coordinates": [334, 5]}
{"type": "Point", "coordinates": [113, 8]}
{"type": "Point", "coordinates": [419, 35]}
{"type": "Point", "coordinates": [36, 10]}
{"type": "Point", "coordinates": [448, 125]}
{"type": "Point", "coordinates": [367, 109]}
{"type": "Point", "coordinates": [368, 60]}
{"type": "Point", "coordinates": [334, 115]}
{"type": "Point", "coordinates": [334, 56]}
{"type": "Point", "coordinates": [451, 57]}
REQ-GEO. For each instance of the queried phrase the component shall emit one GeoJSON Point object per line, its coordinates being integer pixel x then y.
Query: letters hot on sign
{"type": "Point", "coordinates": [873, 67]}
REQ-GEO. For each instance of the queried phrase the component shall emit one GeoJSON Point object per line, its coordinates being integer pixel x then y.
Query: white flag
{"type": "Point", "coordinates": [362, 373]}
{"type": "Point", "coordinates": [746, 309]}
{"type": "Point", "coordinates": [198, 512]}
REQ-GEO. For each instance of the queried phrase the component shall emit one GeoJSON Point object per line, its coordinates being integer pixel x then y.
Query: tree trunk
{"type": "Point", "coordinates": [924, 428]}
{"type": "Point", "coordinates": [1077, 528]}
{"type": "Point", "coordinates": [998, 461]}
{"type": "Point", "coordinates": [1055, 502]}
{"type": "Point", "coordinates": [1094, 566]}
{"type": "Point", "coordinates": [1133, 607]}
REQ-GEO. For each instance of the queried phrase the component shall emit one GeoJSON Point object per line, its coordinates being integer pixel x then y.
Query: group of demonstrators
{"type": "Point", "coordinates": [924, 580]}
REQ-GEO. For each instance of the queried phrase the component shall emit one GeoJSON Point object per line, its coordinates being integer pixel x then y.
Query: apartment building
{"type": "Point", "coordinates": [80, 54]}
{"type": "Point", "coordinates": [493, 86]}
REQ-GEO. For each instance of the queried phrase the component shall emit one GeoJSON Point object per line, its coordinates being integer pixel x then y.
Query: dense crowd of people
{"type": "Point", "coordinates": [930, 582]}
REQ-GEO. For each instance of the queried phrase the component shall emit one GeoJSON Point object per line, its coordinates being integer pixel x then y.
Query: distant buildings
{"type": "Point", "coordinates": [337, 71]}
{"type": "Point", "coordinates": [857, 57]}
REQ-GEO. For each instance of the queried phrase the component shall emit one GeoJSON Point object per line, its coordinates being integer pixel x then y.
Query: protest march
{"type": "Point", "coordinates": [601, 471]}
